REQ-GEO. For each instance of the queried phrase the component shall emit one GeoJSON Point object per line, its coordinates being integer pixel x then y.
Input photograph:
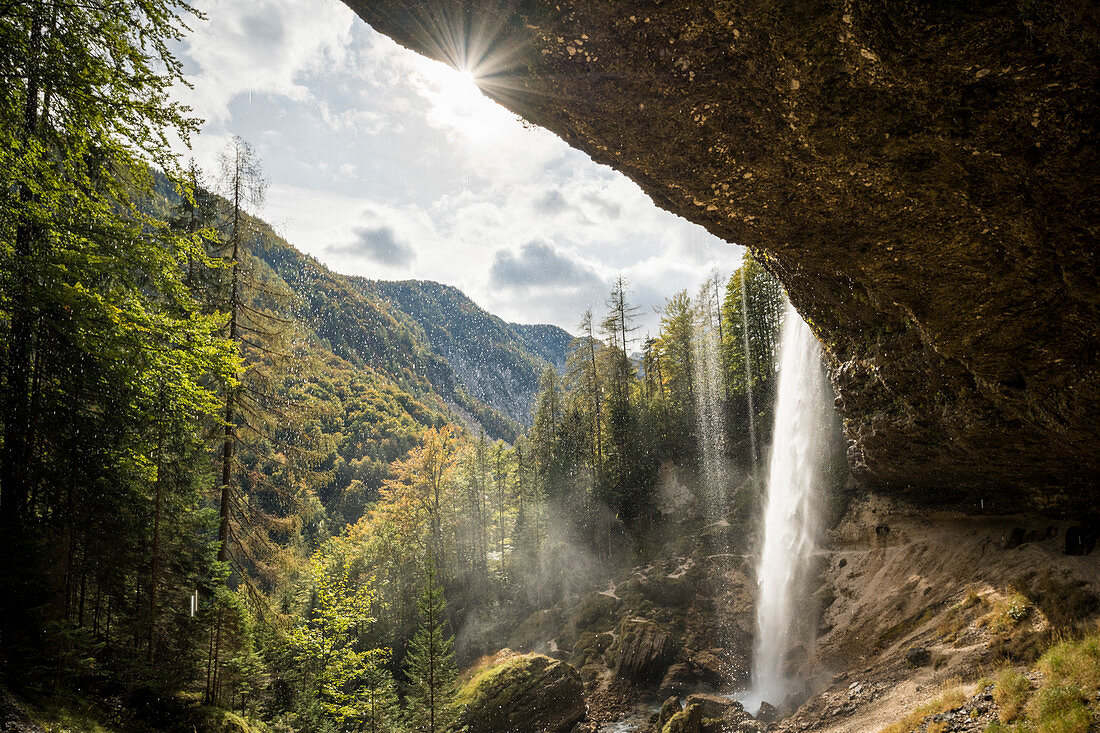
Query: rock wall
{"type": "Point", "coordinates": [920, 175]}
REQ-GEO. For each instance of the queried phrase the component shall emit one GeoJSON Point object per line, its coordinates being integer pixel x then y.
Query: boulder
{"type": "Point", "coordinates": [528, 693]}
{"type": "Point", "coordinates": [669, 708]}
{"type": "Point", "coordinates": [678, 680]}
{"type": "Point", "coordinates": [767, 713]}
{"type": "Point", "coordinates": [707, 714]}
{"type": "Point", "coordinates": [716, 668]}
{"type": "Point", "coordinates": [918, 656]}
{"type": "Point", "coordinates": [643, 650]}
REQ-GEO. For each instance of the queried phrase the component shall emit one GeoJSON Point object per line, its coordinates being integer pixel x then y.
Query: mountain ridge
{"type": "Point", "coordinates": [497, 362]}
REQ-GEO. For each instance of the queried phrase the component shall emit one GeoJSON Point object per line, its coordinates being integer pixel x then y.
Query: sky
{"type": "Point", "coordinates": [386, 164]}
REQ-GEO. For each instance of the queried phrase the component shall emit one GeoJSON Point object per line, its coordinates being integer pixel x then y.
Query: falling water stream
{"type": "Point", "coordinates": [802, 422]}
{"type": "Point", "coordinates": [710, 424]}
{"type": "Point", "coordinates": [748, 367]}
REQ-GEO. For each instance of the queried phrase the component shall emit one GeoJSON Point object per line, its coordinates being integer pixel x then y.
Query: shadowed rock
{"type": "Point", "coordinates": [920, 176]}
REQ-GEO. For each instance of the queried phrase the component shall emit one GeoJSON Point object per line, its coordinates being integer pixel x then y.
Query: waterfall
{"type": "Point", "coordinates": [710, 427]}
{"type": "Point", "coordinates": [748, 366]}
{"type": "Point", "coordinates": [802, 422]}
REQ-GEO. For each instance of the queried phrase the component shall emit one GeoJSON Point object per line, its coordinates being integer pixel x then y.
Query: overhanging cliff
{"type": "Point", "coordinates": [920, 175]}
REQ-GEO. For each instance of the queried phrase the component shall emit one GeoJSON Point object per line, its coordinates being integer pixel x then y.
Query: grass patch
{"type": "Point", "coordinates": [953, 696]}
{"type": "Point", "coordinates": [1071, 671]}
{"type": "Point", "coordinates": [1066, 603]}
{"type": "Point", "coordinates": [1074, 662]}
{"type": "Point", "coordinates": [1011, 691]}
{"type": "Point", "coordinates": [1007, 614]}
{"type": "Point", "coordinates": [1060, 709]}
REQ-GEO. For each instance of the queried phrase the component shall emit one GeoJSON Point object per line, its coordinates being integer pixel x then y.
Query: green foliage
{"type": "Point", "coordinates": [430, 664]}
{"type": "Point", "coordinates": [1074, 662]}
{"type": "Point", "coordinates": [1060, 709]}
{"type": "Point", "coordinates": [109, 357]}
{"type": "Point", "coordinates": [600, 434]}
{"type": "Point", "coordinates": [1062, 703]}
{"type": "Point", "coordinates": [350, 685]}
{"type": "Point", "coordinates": [752, 313]}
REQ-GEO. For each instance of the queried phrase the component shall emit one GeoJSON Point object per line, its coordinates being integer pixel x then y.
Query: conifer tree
{"type": "Point", "coordinates": [430, 664]}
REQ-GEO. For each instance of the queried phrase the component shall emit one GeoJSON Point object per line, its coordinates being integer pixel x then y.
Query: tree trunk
{"type": "Point", "coordinates": [154, 561]}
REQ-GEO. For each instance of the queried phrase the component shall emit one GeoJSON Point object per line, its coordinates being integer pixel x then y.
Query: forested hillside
{"type": "Point", "coordinates": [497, 363]}
{"type": "Point", "coordinates": [241, 489]}
{"type": "Point", "coordinates": [426, 336]}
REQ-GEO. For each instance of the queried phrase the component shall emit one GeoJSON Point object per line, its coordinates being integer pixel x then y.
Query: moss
{"type": "Point", "coordinates": [589, 648]}
{"type": "Point", "coordinates": [223, 721]}
{"type": "Point", "coordinates": [504, 681]}
{"type": "Point", "coordinates": [597, 612]}
{"type": "Point", "coordinates": [520, 693]}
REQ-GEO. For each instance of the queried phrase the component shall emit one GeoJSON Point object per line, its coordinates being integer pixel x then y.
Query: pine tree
{"type": "Point", "coordinates": [430, 664]}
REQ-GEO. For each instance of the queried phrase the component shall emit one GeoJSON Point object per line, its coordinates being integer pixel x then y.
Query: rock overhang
{"type": "Point", "coordinates": [920, 176]}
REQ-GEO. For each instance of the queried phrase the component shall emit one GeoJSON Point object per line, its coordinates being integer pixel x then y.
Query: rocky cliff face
{"type": "Point", "coordinates": [920, 175]}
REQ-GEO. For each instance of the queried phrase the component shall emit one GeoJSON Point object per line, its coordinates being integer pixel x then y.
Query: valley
{"type": "Point", "coordinates": [646, 367]}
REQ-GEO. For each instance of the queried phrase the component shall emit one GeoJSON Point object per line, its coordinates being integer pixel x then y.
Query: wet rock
{"type": "Point", "coordinates": [529, 692]}
{"type": "Point", "coordinates": [669, 708]}
{"type": "Point", "coordinates": [707, 714]}
{"type": "Point", "coordinates": [767, 713]}
{"type": "Point", "coordinates": [679, 679]}
{"type": "Point", "coordinates": [714, 668]}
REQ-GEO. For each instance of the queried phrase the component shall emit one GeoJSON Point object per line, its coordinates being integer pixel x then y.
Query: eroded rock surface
{"type": "Point", "coordinates": [921, 177]}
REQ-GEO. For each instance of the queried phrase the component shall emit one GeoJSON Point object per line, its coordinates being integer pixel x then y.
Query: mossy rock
{"type": "Point", "coordinates": [596, 612]}
{"type": "Point", "coordinates": [527, 693]}
{"type": "Point", "coordinates": [537, 630]}
{"type": "Point", "coordinates": [706, 714]}
{"type": "Point", "coordinates": [590, 648]}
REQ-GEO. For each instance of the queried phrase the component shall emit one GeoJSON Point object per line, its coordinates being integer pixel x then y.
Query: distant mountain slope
{"type": "Point", "coordinates": [358, 325]}
{"type": "Point", "coordinates": [496, 362]}
{"type": "Point", "coordinates": [549, 342]}
{"type": "Point", "coordinates": [429, 339]}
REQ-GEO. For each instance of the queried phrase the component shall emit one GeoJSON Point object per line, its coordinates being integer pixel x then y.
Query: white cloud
{"type": "Point", "coordinates": [261, 47]}
{"type": "Point", "coordinates": [388, 165]}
